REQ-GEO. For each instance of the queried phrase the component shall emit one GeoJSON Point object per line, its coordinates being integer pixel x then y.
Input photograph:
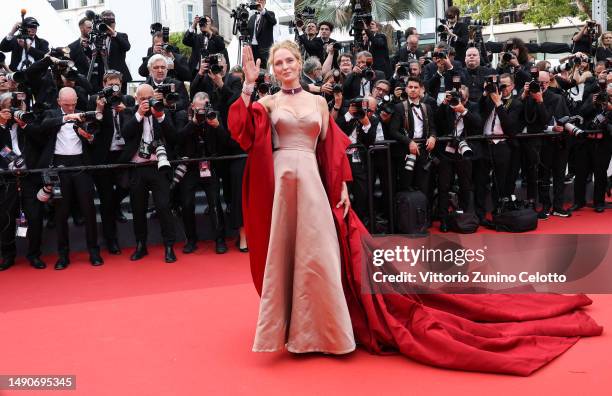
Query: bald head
{"type": "Point", "coordinates": [144, 92]}
{"type": "Point", "coordinates": [67, 100]}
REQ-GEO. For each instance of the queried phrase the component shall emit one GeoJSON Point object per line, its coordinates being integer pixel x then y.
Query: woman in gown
{"type": "Point", "coordinates": [306, 254]}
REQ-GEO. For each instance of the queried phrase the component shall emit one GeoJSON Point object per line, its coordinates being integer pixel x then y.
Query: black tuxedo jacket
{"type": "Point", "coordinates": [539, 115]}
{"type": "Point", "coordinates": [461, 42]}
{"type": "Point", "coordinates": [510, 114]}
{"type": "Point", "coordinates": [446, 119]}
{"type": "Point", "coordinates": [103, 140]}
{"type": "Point", "coordinates": [377, 45]}
{"type": "Point", "coordinates": [119, 46]}
{"type": "Point", "coordinates": [37, 52]}
{"type": "Point", "coordinates": [265, 31]}
{"type": "Point", "coordinates": [52, 123]}
{"type": "Point", "coordinates": [404, 55]}
{"type": "Point", "coordinates": [221, 99]}
{"type": "Point", "coordinates": [196, 141]}
{"type": "Point", "coordinates": [180, 72]}
{"type": "Point", "coordinates": [132, 134]}
{"type": "Point", "coordinates": [179, 87]}
{"type": "Point", "coordinates": [81, 56]}
{"type": "Point", "coordinates": [216, 45]}
{"type": "Point", "coordinates": [366, 138]}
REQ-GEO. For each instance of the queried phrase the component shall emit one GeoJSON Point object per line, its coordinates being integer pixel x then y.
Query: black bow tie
{"type": "Point", "coordinates": [417, 105]}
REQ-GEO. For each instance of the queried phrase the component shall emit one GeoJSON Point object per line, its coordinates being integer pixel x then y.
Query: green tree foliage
{"type": "Point", "coordinates": [176, 39]}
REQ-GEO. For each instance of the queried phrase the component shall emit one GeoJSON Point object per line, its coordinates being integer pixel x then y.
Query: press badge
{"type": "Point", "coordinates": [354, 153]}
{"type": "Point", "coordinates": [205, 169]}
{"type": "Point", "coordinates": [22, 226]}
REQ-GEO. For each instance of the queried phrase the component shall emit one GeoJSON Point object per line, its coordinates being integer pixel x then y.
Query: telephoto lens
{"type": "Point", "coordinates": [24, 116]}
{"type": "Point", "coordinates": [179, 173]}
{"type": "Point", "coordinates": [465, 150]}
{"type": "Point", "coordinates": [158, 105]}
{"type": "Point", "coordinates": [162, 157]}
{"type": "Point", "coordinates": [410, 161]}
{"type": "Point", "coordinates": [507, 57]}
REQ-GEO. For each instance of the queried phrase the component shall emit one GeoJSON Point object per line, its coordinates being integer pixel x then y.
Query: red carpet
{"type": "Point", "coordinates": [150, 328]}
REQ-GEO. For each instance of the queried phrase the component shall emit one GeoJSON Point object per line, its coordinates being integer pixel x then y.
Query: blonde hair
{"type": "Point", "coordinates": [601, 39]}
{"type": "Point", "coordinates": [288, 45]}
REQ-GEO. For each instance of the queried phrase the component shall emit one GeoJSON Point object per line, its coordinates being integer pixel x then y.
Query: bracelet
{"type": "Point", "coordinates": [248, 89]}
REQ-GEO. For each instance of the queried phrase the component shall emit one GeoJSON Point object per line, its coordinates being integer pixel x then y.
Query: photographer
{"type": "Point", "coordinates": [107, 149]}
{"type": "Point", "coordinates": [456, 117]}
{"type": "Point", "coordinates": [325, 30]}
{"type": "Point", "coordinates": [308, 40]}
{"type": "Point", "coordinates": [145, 137]}
{"type": "Point", "coordinates": [551, 153]}
{"type": "Point", "coordinates": [376, 43]}
{"type": "Point", "coordinates": [584, 40]}
{"type": "Point", "coordinates": [515, 60]}
{"type": "Point", "coordinates": [410, 51]}
{"type": "Point", "coordinates": [475, 74]}
{"type": "Point", "coordinates": [456, 32]}
{"type": "Point", "coordinates": [261, 26]}
{"type": "Point", "coordinates": [117, 46]}
{"type": "Point", "coordinates": [413, 168]}
{"type": "Point", "coordinates": [362, 79]}
{"type": "Point", "coordinates": [593, 151]}
{"type": "Point", "coordinates": [312, 77]}
{"type": "Point", "coordinates": [222, 88]}
{"type": "Point", "coordinates": [431, 67]}
{"type": "Point", "coordinates": [442, 80]}
{"type": "Point", "coordinates": [25, 47]}
{"type": "Point", "coordinates": [70, 137]}
{"type": "Point", "coordinates": [159, 80]}
{"type": "Point", "coordinates": [81, 48]}
{"type": "Point", "coordinates": [178, 68]}
{"type": "Point", "coordinates": [501, 114]}
{"type": "Point", "coordinates": [24, 141]}
{"type": "Point", "coordinates": [203, 136]}
{"type": "Point", "coordinates": [204, 43]}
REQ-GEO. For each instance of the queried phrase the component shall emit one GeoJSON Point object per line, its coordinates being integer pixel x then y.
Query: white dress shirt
{"type": "Point", "coordinates": [68, 141]}
{"type": "Point", "coordinates": [147, 135]}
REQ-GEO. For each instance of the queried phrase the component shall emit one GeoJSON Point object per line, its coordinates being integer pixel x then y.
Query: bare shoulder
{"type": "Point", "coordinates": [266, 102]}
{"type": "Point", "coordinates": [322, 103]}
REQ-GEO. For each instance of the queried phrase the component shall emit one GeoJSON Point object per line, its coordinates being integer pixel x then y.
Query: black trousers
{"type": "Point", "coordinates": [111, 194]}
{"type": "Point", "coordinates": [530, 159]}
{"type": "Point", "coordinates": [591, 155]}
{"type": "Point", "coordinates": [261, 53]}
{"type": "Point", "coordinates": [358, 188]}
{"type": "Point", "coordinates": [142, 180]}
{"type": "Point", "coordinates": [416, 179]}
{"type": "Point", "coordinates": [77, 187]}
{"type": "Point", "coordinates": [236, 172]}
{"type": "Point", "coordinates": [447, 169]}
{"type": "Point", "coordinates": [553, 157]}
{"type": "Point", "coordinates": [189, 185]}
{"type": "Point", "coordinates": [381, 171]}
{"type": "Point", "coordinates": [496, 158]}
{"type": "Point", "coordinates": [32, 208]}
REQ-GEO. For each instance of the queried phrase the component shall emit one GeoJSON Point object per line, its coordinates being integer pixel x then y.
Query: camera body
{"type": "Point", "coordinates": [110, 93]}
{"type": "Point", "coordinates": [23, 116]}
{"type": "Point", "coordinates": [403, 69]}
{"type": "Point", "coordinates": [358, 104]}
{"type": "Point", "coordinates": [169, 92]}
{"type": "Point", "coordinates": [491, 84]}
{"type": "Point", "coordinates": [12, 158]}
{"type": "Point", "coordinates": [454, 98]}
{"type": "Point", "coordinates": [213, 63]}
{"type": "Point", "coordinates": [207, 113]}
{"type": "Point", "coordinates": [387, 105]}
{"type": "Point", "coordinates": [158, 105]}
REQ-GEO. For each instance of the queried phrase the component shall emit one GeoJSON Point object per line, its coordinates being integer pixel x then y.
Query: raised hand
{"type": "Point", "coordinates": [249, 66]}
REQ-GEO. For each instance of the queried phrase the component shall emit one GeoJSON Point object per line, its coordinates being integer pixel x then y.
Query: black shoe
{"type": "Point", "coordinates": [543, 214]}
{"type": "Point", "coordinates": [62, 263]}
{"type": "Point", "coordinates": [94, 257]}
{"type": "Point", "coordinates": [243, 250]}
{"type": "Point", "coordinates": [220, 246]}
{"type": "Point", "coordinates": [140, 252]}
{"type": "Point", "coordinates": [576, 207]}
{"type": "Point", "coordinates": [169, 256]}
{"type": "Point", "coordinates": [600, 209]}
{"type": "Point", "coordinates": [37, 263]}
{"type": "Point", "coordinates": [190, 247]}
{"type": "Point", "coordinates": [121, 217]}
{"type": "Point", "coordinates": [7, 263]}
{"type": "Point", "coordinates": [443, 226]}
{"type": "Point", "coordinates": [561, 213]}
{"type": "Point", "coordinates": [113, 247]}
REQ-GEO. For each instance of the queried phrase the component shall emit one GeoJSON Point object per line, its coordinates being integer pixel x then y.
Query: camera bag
{"type": "Point", "coordinates": [411, 212]}
{"type": "Point", "coordinates": [463, 222]}
{"type": "Point", "coordinates": [516, 220]}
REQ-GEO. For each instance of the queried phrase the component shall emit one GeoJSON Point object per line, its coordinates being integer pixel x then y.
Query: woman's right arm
{"type": "Point", "coordinates": [251, 72]}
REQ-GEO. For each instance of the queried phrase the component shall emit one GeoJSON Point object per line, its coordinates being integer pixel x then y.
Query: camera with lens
{"type": "Point", "coordinates": [252, 5]}
{"type": "Point", "coordinates": [89, 116]}
{"type": "Point", "coordinates": [169, 92]}
{"type": "Point", "coordinates": [358, 105]}
{"type": "Point", "coordinates": [111, 94]}
{"type": "Point", "coordinates": [337, 46]}
{"type": "Point", "coordinates": [161, 154]}
{"type": "Point", "coordinates": [561, 68]}
{"type": "Point", "coordinates": [454, 98]}
{"type": "Point", "coordinates": [207, 113]}
{"type": "Point", "coordinates": [12, 159]}
{"type": "Point", "coordinates": [145, 150]}
{"type": "Point", "coordinates": [158, 105]}
{"type": "Point", "coordinates": [386, 104]}
{"type": "Point", "coordinates": [179, 173]}
{"type": "Point", "coordinates": [491, 84]}
{"type": "Point", "coordinates": [569, 124]}
{"type": "Point", "coordinates": [165, 31]}
{"type": "Point", "coordinates": [213, 63]}
{"type": "Point", "coordinates": [368, 72]}
{"type": "Point", "coordinates": [462, 147]}
{"type": "Point", "coordinates": [307, 14]}
{"type": "Point", "coordinates": [24, 116]}
{"type": "Point", "coordinates": [440, 55]}
{"type": "Point", "coordinates": [51, 186]}
{"type": "Point", "coordinates": [403, 69]}
{"type": "Point", "coordinates": [507, 57]}
{"type": "Point", "coordinates": [18, 98]}
{"type": "Point", "coordinates": [17, 77]}
{"type": "Point", "coordinates": [99, 31]}
{"type": "Point", "coordinates": [404, 94]}
{"type": "Point", "coordinates": [240, 15]}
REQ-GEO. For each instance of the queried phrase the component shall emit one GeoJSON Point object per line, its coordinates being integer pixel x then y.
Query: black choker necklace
{"type": "Point", "coordinates": [292, 91]}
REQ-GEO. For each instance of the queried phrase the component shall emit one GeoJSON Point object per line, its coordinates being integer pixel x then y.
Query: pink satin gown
{"type": "Point", "coordinates": [302, 307]}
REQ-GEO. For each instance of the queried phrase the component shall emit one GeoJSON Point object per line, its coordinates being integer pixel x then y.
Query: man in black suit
{"type": "Point", "coordinates": [442, 80]}
{"type": "Point", "coordinates": [358, 82]}
{"type": "Point", "coordinates": [204, 43]}
{"type": "Point", "coordinates": [81, 49]}
{"type": "Point", "coordinates": [222, 88]}
{"type": "Point", "coordinates": [117, 45]}
{"type": "Point", "coordinates": [148, 128]}
{"type": "Point", "coordinates": [376, 43]}
{"type": "Point", "coordinates": [202, 137]}
{"type": "Point", "coordinates": [309, 42]}
{"type": "Point", "coordinates": [261, 26]}
{"type": "Point", "coordinates": [457, 32]}
{"type": "Point", "coordinates": [24, 50]}
{"type": "Point", "coordinates": [107, 149]}
{"type": "Point", "coordinates": [416, 120]}
{"type": "Point", "coordinates": [158, 75]}
{"type": "Point", "coordinates": [178, 68]}
{"type": "Point", "coordinates": [501, 115]}
{"type": "Point", "coordinates": [24, 140]}
{"type": "Point", "coordinates": [410, 51]}
{"type": "Point", "coordinates": [457, 120]}
{"type": "Point", "coordinates": [475, 75]}
{"type": "Point", "coordinates": [69, 144]}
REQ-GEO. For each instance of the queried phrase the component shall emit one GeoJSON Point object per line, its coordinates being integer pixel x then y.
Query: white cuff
{"type": "Point", "coordinates": [138, 117]}
{"type": "Point", "coordinates": [347, 116]}
{"type": "Point", "coordinates": [162, 118]}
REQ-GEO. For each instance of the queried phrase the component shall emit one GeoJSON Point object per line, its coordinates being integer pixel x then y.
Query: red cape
{"type": "Point", "coordinates": [511, 334]}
